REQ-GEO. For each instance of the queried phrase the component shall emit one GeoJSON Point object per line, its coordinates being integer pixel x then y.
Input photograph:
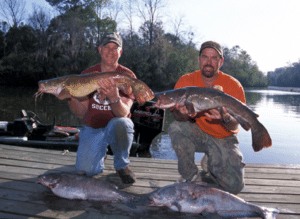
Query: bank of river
{"type": "Point", "coordinates": [291, 89]}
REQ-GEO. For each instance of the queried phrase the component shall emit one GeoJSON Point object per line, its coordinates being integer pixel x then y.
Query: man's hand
{"type": "Point", "coordinates": [109, 90]}
{"type": "Point", "coordinates": [215, 114]}
{"type": "Point", "coordinates": [232, 124]}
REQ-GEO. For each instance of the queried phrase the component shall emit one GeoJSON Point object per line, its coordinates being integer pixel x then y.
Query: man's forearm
{"type": "Point", "coordinates": [77, 108]}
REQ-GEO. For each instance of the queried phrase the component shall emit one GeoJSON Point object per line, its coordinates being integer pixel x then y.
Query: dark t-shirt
{"type": "Point", "coordinates": [99, 111]}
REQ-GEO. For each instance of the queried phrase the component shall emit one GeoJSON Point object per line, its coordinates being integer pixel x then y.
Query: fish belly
{"type": "Point", "coordinates": [69, 192]}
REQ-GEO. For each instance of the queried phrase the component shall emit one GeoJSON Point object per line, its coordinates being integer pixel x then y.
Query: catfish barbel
{"type": "Point", "coordinates": [196, 197]}
{"type": "Point", "coordinates": [82, 85]}
{"type": "Point", "coordinates": [198, 99]}
{"type": "Point", "coordinates": [81, 187]}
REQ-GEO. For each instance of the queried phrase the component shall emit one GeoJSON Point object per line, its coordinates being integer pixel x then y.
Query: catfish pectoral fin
{"type": "Point", "coordinates": [129, 203]}
{"type": "Point", "coordinates": [244, 123]}
{"type": "Point", "coordinates": [190, 107]}
{"type": "Point", "coordinates": [64, 94]}
{"type": "Point", "coordinates": [143, 200]}
{"type": "Point", "coordinates": [260, 137]}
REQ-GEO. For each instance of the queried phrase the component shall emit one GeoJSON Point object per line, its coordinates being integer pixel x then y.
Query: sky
{"type": "Point", "coordinates": [268, 30]}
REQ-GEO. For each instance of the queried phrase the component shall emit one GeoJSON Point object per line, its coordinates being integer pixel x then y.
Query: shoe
{"type": "Point", "coordinates": [204, 163]}
{"type": "Point", "coordinates": [126, 175]}
{"type": "Point", "coordinates": [196, 178]}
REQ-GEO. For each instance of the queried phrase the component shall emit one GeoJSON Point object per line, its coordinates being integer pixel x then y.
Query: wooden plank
{"type": "Point", "coordinates": [266, 185]}
{"type": "Point", "coordinates": [66, 160]}
{"type": "Point", "coordinates": [253, 167]}
{"type": "Point", "coordinates": [69, 159]}
{"type": "Point", "coordinates": [158, 180]}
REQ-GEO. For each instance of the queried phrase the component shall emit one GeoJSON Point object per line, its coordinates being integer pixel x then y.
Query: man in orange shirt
{"type": "Point", "coordinates": [212, 132]}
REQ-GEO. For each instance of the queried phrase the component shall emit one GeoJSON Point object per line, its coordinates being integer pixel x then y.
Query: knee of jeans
{"type": "Point", "coordinates": [173, 127]}
{"type": "Point", "coordinates": [236, 186]}
{"type": "Point", "coordinates": [122, 124]}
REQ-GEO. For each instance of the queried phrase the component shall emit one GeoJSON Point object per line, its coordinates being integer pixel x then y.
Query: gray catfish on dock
{"type": "Point", "coordinates": [196, 197]}
{"type": "Point", "coordinates": [82, 187]}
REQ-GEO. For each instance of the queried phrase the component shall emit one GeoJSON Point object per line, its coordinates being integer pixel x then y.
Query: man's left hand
{"type": "Point", "coordinates": [215, 114]}
{"type": "Point", "coordinates": [109, 89]}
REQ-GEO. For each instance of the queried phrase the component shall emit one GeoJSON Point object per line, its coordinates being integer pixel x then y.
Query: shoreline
{"type": "Point", "coordinates": [290, 89]}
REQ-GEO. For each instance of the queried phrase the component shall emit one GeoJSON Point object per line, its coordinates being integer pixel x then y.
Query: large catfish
{"type": "Point", "coordinates": [196, 197]}
{"type": "Point", "coordinates": [82, 85]}
{"type": "Point", "coordinates": [198, 99]}
{"type": "Point", "coordinates": [81, 187]}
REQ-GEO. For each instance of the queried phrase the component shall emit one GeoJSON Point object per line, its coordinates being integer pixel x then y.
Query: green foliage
{"type": "Point", "coordinates": [66, 5]}
{"type": "Point", "coordinates": [20, 39]}
{"type": "Point", "coordinates": [20, 69]}
{"type": "Point", "coordinates": [286, 76]}
{"type": "Point", "coordinates": [240, 65]}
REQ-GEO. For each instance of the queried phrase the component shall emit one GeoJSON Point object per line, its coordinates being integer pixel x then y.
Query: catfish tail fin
{"type": "Point", "coordinates": [270, 213]}
{"type": "Point", "coordinates": [260, 137]}
{"type": "Point", "coordinates": [142, 92]}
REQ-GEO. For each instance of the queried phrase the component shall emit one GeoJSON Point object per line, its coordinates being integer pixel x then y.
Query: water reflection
{"type": "Point", "coordinates": [47, 107]}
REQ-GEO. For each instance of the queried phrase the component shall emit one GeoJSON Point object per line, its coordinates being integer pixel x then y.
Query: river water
{"type": "Point", "coordinates": [279, 111]}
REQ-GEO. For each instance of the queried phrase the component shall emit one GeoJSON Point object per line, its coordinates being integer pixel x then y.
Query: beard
{"type": "Point", "coordinates": [208, 71]}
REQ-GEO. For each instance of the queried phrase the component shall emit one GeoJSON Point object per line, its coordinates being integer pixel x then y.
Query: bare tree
{"type": "Point", "coordinates": [149, 10]}
{"type": "Point", "coordinates": [39, 20]}
{"type": "Point", "coordinates": [177, 23]}
{"type": "Point", "coordinates": [13, 11]}
{"type": "Point", "coordinates": [114, 10]}
{"type": "Point", "coordinates": [129, 10]}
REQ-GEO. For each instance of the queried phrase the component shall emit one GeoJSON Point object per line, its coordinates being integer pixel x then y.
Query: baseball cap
{"type": "Point", "coordinates": [214, 45]}
{"type": "Point", "coordinates": [111, 37]}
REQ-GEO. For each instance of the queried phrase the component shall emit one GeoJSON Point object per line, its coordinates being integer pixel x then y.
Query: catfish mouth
{"type": "Point", "coordinates": [46, 88]}
{"type": "Point", "coordinates": [163, 102]}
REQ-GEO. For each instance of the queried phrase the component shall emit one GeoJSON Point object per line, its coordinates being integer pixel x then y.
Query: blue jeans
{"type": "Point", "coordinates": [93, 145]}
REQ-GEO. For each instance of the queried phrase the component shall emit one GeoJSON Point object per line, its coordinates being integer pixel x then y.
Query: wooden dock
{"type": "Point", "coordinates": [21, 197]}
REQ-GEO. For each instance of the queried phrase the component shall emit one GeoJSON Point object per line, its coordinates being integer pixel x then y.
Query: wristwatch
{"type": "Point", "coordinates": [117, 101]}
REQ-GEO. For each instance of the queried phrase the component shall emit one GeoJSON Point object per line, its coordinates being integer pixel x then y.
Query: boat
{"type": "Point", "coordinates": [30, 131]}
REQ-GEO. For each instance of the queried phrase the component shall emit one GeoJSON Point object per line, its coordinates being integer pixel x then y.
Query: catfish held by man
{"type": "Point", "coordinates": [198, 99]}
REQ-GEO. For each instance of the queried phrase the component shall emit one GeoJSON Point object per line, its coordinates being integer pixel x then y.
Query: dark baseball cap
{"type": "Point", "coordinates": [214, 45]}
{"type": "Point", "coordinates": [111, 38]}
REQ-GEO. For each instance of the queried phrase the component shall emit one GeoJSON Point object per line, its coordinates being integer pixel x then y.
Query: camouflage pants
{"type": "Point", "coordinates": [224, 161]}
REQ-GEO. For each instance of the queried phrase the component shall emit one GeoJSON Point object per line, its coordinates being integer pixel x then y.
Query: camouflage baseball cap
{"type": "Point", "coordinates": [111, 38]}
{"type": "Point", "coordinates": [214, 45]}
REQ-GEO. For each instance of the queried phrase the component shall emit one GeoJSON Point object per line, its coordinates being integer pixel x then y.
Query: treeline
{"type": "Point", "coordinates": [44, 48]}
{"type": "Point", "coordinates": [286, 76]}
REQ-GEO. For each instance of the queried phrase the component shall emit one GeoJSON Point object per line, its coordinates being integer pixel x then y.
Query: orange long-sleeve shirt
{"type": "Point", "coordinates": [231, 86]}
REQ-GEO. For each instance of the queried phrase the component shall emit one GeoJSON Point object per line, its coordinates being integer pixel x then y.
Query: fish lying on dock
{"type": "Point", "coordinates": [198, 99]}
{"type": "Point", "coordinates": [196, 197]}
{"type": "Point", "coordinates": [82, 85]}
{"type": "Point", "coordinates": [85, 188]}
